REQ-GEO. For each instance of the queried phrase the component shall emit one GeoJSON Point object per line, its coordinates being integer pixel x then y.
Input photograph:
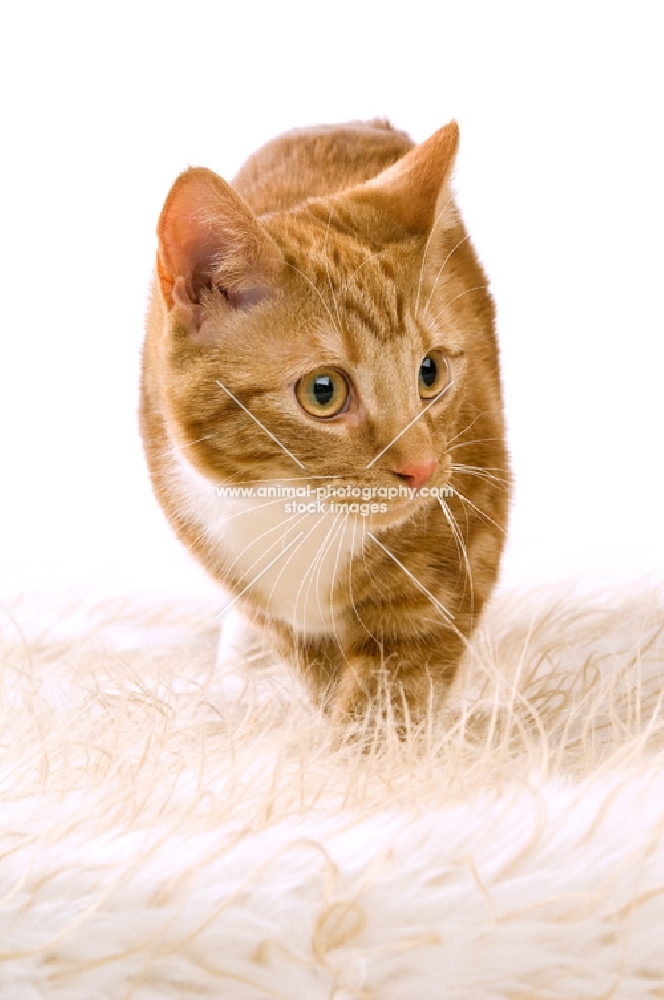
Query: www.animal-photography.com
{"type": "Point", "coordinates": [331, 655]}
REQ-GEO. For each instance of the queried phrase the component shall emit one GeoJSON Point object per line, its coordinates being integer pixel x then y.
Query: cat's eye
{"type": "Point", "coordinates": [434, 374]}
{"type": "Point", "coordinates": [323, 392]}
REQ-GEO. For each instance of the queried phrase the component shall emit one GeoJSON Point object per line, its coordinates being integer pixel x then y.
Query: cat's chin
{"type": "Point", "coordinates": [396, 514]}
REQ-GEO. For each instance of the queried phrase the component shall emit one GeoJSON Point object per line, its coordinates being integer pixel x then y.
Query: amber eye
{"type": "Point", "coordinates": [322, 393]}
{"type": "Point", "coordinates": [434, 374]}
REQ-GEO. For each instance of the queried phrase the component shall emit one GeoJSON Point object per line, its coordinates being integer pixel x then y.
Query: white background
{"type": "Point", "coordinates": [559, 177]}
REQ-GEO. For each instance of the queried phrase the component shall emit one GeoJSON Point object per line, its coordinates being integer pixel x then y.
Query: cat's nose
{"type": "Point", "coordinates": [416, 474]}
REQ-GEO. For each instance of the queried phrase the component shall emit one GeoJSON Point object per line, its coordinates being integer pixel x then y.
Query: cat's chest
{"type": "Point", "coordinates": [293, 558]}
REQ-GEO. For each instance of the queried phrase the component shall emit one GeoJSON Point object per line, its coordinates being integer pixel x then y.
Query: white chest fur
{"type": "Point", "coordinates": [294, 559]}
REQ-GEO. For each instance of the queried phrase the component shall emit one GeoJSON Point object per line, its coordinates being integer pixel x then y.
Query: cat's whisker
{"type": "Point", "coordinates": [364, 560]}
{"type": "Point", "coordinates": [475, 288]}
{"type": "Point", "coordinates": [256, 578]}
{"type": "Point", "coordinates": [367, 260]}
{"type": "Point", "coordinates": [467, 444]}
{"type": "Point", "coordinates": [467, 427]}
{"type": "Point", "coordinates": [261, 425]}
{"type": "Point", "coordinates": [477, 509]}
{"type": "Point", "coordinates": [461, 549]}
{"type": "Point", "coordinates": [327, 260]}
{"type": "Point", "coordinates": [304, 536]}
{"type": "Point", "coordinates": [334, 578]}
{"type": "Point", "coordinates": [253, 508]}
{"type": "Point", "coordinates": [426, 250]}
{"type": "Point", "coordinates": [323, 302]}
{"type": "Point", "coordinates": [280, 479]}
{"type": "Point", "coordinates": [294, 522]}
{"type": "Point", "coordinates": [441, 269]}
{"type": "Point", "coordinates": [441, 607]}
{"type": "Point", "coordinates": [479, 473]}
{"type": "Point", "coordinates": [175, 449]}
{"type": "Point", "coordinates": [327, 544]}
{"type": "Point", "coordinates": [309, 574]}
{"type": "Point", "coordinates": [233, 480]}
{"type": "Point", "coordinates": [411, 422]}
{"type": "Point", "coordinates": [350, 581]}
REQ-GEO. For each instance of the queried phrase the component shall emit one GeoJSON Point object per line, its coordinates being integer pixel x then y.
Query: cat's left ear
{"type": "Point", "coordinates": [210, 239]}
{"type": "Point", "coordinates": [415, 190]}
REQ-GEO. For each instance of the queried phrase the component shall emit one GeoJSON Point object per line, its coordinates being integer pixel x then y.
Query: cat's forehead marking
{"type": "Point", "coordinates": [359, 290]}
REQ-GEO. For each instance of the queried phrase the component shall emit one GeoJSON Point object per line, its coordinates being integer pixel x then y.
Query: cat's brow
{"type": "Point", "coordinates": [262, 426]}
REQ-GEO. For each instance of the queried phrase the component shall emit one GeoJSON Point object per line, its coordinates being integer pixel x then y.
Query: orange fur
{"type": "Point", "coordinates": [338, 247]}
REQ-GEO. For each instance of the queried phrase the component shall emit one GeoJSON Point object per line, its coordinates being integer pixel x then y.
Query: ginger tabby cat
{"type": "Point", "coordinates": [320, 343]}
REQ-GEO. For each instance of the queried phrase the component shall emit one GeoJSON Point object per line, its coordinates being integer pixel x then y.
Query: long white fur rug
{"type": "Point", "coordinates": [168, 830]}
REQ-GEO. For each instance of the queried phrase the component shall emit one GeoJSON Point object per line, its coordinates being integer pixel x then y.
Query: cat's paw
{"type": "Point", "coordinates": [359, 696]}
{"type": "Point", "coordinates": [368, 696]}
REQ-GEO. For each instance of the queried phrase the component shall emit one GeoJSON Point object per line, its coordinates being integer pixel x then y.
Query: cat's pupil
{"type": "Point", "coordinates": [323, 390]}
{"type": "Point", "coordinates": [429, 372]}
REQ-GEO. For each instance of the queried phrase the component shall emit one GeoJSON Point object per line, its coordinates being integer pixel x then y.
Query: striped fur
{"type": "Point", "coordinates": [339, 246]}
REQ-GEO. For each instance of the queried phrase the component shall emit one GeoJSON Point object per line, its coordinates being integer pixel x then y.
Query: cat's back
{"type": "Point", "coordinates": [318, 161]}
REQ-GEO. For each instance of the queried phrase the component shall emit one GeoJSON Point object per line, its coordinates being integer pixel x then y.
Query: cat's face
{"type": "Point", "coordinates": [346, 343]}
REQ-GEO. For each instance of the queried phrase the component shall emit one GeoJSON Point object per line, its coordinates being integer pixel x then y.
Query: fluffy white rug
{"type": "Point", "coordinates": [167, 831]}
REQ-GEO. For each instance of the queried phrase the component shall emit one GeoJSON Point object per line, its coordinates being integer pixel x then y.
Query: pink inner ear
{"type": "Point", "coordinates": [190, 233]}
{"type": "Point", "coordinates": [209, 238]}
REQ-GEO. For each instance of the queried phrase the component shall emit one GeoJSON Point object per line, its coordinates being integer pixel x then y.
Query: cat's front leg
{"type": "Point", "coordinates": [402, 680]}
{"type": "Point", "coordinates": [237, 638]}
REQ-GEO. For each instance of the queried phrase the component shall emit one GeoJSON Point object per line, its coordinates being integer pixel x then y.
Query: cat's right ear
{"type": "Point", "coordinates": [210, 239]}
{"type": "Point", "coordinates": [415, 190]}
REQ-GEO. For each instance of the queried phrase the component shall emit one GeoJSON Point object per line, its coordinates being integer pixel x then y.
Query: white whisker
{"type": "Point", "coordinates": [350, 583]}
{"type": "Point", "coordinates": [327, 260]}
{"type": "Point", "coordinates": [252, 509]}
{"type": "Point", "coordinates": [475, 288]}
{"type": "Point", "coordinates": [309, 575]}
{"type": "Point", "coordinates": [325, 305]}
{"type": "Point", "coordinates": [467, 444]}
{"type": "Point", "coordinates": [410, 424]}
{"type": "Point", "coordinates": [257, 577]}
{"type": "Point", "coordinates": [304, 539]}
{"type": "Point", "coordinates": [367, 260]}
{"type": "Point", "coordinates": [294, 522]}
{"type": "Point", "coordinates": [442, 268]}
{"type": "Point", "coordinates": [420, 586]}
{"type": "Point", "coordinates": [262, 426]}
{"type": "Point", "coordinates": [334, 576]}
{"type": "Point", "coordinates": [175, 449]}
{"type": "Point", "coordinates": [461, 549]}
{"type": "Point", "coordinates": [477, 509]}
{"type": "Point", "coordinates": [426, 250]}
{"type": "Point", "coordinates": [467, 427]}
{"type": "Point", "coordinates": [485, 474]}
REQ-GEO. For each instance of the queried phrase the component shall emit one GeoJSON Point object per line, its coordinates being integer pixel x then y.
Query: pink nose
{"type": "Point", "coordinates": [416, 474]}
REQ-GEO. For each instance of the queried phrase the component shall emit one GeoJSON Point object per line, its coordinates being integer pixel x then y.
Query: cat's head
{"type": "Point", "coordinates": [348, 340]}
